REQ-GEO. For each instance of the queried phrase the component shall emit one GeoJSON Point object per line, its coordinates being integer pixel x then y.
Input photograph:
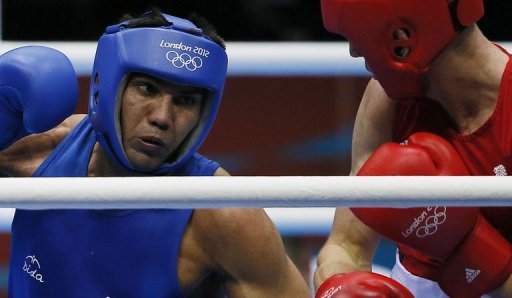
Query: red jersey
{"type": "Point", "coordinates": [487, 151]}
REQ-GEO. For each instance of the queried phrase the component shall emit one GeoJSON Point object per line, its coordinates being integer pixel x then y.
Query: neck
{"type": "Point", "coordinates": [101, 165]}
{"type": "Point", "coordinates": [465, 79]}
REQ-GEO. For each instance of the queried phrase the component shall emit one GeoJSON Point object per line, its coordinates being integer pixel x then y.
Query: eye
{"type": "Point", "coordinates": [187, 99]}
{"type": "Point", "coordinates": [147, 88]}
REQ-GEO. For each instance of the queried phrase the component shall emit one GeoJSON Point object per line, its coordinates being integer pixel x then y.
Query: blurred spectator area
{"type": "Point", "coordinates": [236, 20]}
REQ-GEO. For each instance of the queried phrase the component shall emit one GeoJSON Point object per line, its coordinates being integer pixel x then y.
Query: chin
{"type": "Point", "coordinates": [146, 166]}
{"type": "Point", "coordinates": [143, 162]}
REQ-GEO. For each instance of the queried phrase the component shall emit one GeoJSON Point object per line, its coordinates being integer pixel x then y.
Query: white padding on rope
{"type": "Point", "coordinates": [245, 58]}
{"type": "Point", "coordinates": [259, 191]}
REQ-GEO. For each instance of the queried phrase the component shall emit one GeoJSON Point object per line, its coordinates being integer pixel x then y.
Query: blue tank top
{"type": "Point", "coordinates": [97, 253]}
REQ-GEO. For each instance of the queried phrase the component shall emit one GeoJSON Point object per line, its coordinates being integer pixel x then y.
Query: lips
{"type": "Point", "coordinates": [153, 141]}
{"type": "Point", "coordinates": [151, 145]}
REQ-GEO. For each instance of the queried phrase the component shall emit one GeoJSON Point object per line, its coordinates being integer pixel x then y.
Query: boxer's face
{"type": "Point", "coordinates": [156, 116]}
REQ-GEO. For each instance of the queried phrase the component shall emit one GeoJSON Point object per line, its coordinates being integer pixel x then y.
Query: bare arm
{"type": "Point", "coordinates": [373, 125]}
{"type": "Point", "coordinates": [350, 247]}
{"type": "Point", "coordinates": [22, 158]}
{"type": "Point", "coordinates": [351, 244]}
{"type": "Point", "coordinates": [246, 250]}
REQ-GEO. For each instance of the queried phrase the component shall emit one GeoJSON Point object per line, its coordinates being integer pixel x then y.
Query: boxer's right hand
{"type": "Point", "coordinates": [38, 90]}
{"type": "Point", "coordinates": [361, 284]}
{"type": "Point", "coordinates": [475, 258]}
{"type": "Point", "coordinates": [435, 231]}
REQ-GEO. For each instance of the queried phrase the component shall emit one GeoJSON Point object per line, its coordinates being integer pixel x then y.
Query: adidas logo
{"type": "Point", "coordinates": [471, 274]}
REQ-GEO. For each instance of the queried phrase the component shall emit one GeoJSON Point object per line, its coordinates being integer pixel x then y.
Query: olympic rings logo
{"type": "Point", "coordinates": [184, 60]}
{"type": "Point", "coordinates": [432, 222]}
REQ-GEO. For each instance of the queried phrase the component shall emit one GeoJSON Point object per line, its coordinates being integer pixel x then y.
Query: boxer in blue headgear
{"type": "Point", "coordinates": [147, 71]}
{"type": "Point", "coordinates": [177, 52]}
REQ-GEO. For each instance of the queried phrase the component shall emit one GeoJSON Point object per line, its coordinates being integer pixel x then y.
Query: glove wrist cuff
{"type": "Point", "coordinates": [480, 265]}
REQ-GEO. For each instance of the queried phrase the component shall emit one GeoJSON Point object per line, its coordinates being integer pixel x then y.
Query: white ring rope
{"type": "Point", "coordinates": [245, 58]}
{"type": "Point", "coordinates": [259, 191]}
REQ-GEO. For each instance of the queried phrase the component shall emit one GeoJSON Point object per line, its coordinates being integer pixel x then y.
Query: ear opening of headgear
{"type": "Point", "coordinates": [179, 53]}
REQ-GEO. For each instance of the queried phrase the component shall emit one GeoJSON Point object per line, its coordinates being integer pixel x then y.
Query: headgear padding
{"type": "Point", "coordinates": [179, 53]}
{"type": "Point", "coordinates": [370, 26]}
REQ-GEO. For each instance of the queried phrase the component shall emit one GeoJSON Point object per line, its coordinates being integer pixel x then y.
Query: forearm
{"type": "Point", "coordinates": [334, 259]}
{"type": "Point", "coordinates": [350, 247]}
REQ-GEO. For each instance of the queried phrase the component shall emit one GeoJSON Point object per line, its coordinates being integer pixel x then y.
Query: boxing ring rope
{"type": "Point", "coordinates": [255, 191]}
{"type": "Point", "coordinates": [247, 58]}
{"type": "Point", "coordinates": [298, 205]}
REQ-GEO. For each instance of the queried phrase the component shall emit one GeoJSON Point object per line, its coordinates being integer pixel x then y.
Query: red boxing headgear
{"type": "Point", "coordinates": [371, 26]}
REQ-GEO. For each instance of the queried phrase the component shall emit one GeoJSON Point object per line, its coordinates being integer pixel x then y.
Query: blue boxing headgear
{"type": "Point", "coordinates": [179, 53]}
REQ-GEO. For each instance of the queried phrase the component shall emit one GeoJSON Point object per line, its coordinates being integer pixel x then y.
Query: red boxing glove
{"type": "Point", "coordinates": [361, 284]}
{"type": "Point", "coordinates": [459, 238]}
{"type": "Point", "coordinates": [436, 230]}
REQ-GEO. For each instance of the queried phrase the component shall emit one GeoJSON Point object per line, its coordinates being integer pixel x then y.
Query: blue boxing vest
{"type": "Point", "coordinates": [97, 253]}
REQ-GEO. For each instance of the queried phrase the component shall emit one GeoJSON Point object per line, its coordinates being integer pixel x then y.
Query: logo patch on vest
{"type": "Point", "coordinates": [32, 266]}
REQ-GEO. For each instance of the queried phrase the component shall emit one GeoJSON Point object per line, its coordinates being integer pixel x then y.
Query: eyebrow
{"type": "Point", "coordinates": [179, 88]}
{"type": "Point", "coordinates": [189, 90]}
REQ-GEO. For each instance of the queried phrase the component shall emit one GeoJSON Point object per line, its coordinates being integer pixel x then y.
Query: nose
{"type": "Point", "coordinates": [161, 112]}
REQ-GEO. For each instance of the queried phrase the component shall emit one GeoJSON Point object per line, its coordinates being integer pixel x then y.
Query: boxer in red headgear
{"type": "Point", "coordinates": [438, 105]}
{"type": "Point", "coordinates": [375, 26]}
